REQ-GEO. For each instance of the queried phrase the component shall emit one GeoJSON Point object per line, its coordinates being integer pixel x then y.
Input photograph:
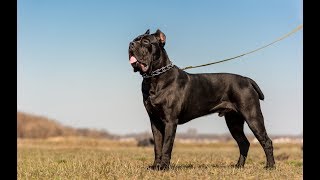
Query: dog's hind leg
{"type": "Point", "coordinates": [254, 118]}
{"type": "Point", "coordinates": [235, 123]}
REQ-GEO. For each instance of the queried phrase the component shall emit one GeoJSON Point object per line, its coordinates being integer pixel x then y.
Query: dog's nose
{"type": "Point", "coordinates": [131, 45]}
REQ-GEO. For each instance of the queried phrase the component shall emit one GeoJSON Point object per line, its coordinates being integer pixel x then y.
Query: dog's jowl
{"type": "Point", "coordinates": [172, 96]}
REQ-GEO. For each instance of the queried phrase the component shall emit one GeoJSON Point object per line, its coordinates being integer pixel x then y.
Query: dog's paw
{"type": "Point", "coordinates": [158, 167]}
{"type": "Point", "coordinates": [164, 166]}
{"type": "Point", "coordinates": [155, 166]}
{"type": "Point", "coordinates": [239, 166]}
{"type": "Point", "coordinates": [151, 167]}
{"type": "Point", "coordinates": [270, 167]}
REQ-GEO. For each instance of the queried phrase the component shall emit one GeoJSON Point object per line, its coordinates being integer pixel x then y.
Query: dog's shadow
{"type": "Point", "coordinates": [200, 166]}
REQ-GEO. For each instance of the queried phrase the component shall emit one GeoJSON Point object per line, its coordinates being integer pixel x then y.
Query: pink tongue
{"type": "Point", "coordinates": [144, 69]}
{"type": "Point", "coordinates": [132, 59]}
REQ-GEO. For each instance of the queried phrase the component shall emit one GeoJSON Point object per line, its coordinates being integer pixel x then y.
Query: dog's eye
{"type": "Point", "coordinates": [145, 41]}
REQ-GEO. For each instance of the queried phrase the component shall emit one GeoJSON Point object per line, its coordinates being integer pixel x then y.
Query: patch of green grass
{"type": "Point", "coordinates": [40, 159]}
{"type": "Point", "coordinates": [295, 163]}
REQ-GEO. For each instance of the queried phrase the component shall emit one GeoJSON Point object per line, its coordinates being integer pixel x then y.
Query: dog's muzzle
{"type": "Point", "coordinates": [135, 63]}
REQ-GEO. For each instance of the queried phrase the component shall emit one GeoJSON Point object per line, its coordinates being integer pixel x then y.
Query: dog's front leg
{"type": "Point", "coordinates": [169, 135]}
{"type": "Point", "coordinates": [157, 128]}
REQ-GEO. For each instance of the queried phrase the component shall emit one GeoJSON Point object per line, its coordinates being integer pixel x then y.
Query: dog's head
{"type": "Point", "coordinates": [145, 49]}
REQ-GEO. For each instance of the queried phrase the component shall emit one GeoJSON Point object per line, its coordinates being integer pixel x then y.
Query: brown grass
{"type": "Point", "coordinates": [87, 158]}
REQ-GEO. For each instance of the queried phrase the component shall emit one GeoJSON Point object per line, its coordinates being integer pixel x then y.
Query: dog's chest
{"type": "Point", "coordinates": [150, 103]}
{"type": "Point", "coordinates": [150, 98]}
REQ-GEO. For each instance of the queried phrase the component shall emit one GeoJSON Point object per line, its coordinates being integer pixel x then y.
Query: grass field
{"type": "Point", "coordinates": [82, 158]}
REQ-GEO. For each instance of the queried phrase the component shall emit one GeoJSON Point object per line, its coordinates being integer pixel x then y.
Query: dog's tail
{"type": "Point", "coordinates": [256, 87]}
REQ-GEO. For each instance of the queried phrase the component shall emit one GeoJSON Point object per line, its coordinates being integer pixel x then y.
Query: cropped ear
{"type": "Point", "coordinates": [147, 32]}
{"type": "Point", "coordinates": [161, 37]}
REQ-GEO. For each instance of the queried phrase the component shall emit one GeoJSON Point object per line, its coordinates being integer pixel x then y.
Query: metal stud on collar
{"type": "Point", "coordinates": [158, 71]}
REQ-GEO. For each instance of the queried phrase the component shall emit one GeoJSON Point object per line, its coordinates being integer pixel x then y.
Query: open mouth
{"type": "Point", "coordinates": [135, 63]}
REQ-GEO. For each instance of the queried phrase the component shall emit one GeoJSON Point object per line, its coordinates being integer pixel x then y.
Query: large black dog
{"type": "Point", "coordinates": [172, 96]}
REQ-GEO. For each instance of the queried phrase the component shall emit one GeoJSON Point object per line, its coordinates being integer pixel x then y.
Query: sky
{"type": "Point", "coordinates": [73, 66]}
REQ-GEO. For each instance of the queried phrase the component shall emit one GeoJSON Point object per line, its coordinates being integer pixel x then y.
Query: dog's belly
{"type": "Point", "coordinates": [222, 108]}
{"type": "Point", "coordinates": [184, 118]}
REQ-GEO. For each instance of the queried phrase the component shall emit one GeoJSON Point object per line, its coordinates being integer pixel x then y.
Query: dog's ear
{"type": "Point", "coordinates": [161, 37]}
{"type": "Point", "coordinates": [147, 32]}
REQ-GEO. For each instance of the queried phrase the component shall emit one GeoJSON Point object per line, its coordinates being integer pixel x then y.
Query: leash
{"type": "Point", "coordinates": [279, 39]}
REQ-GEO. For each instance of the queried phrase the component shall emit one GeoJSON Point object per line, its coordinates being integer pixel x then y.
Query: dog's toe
{"type": "Point", "coordinates": [270, 167]}
{"type": "Point", "coordinates": [238, 166]}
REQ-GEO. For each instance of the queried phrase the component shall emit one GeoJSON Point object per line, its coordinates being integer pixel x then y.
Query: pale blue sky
{"type": "Point", "coordinates": [73, 62]}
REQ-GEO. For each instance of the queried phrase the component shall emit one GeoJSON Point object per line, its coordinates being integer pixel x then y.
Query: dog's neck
{"type": "Point", "coordinates": [149, 85]}
{"type": "Point", "coordinates": [159, 66]}
{"type": "Point", "coordinates": [162, 61]}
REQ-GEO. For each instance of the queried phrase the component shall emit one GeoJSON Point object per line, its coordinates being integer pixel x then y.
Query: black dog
{"type": "Point", "coordinates": [172, 96]}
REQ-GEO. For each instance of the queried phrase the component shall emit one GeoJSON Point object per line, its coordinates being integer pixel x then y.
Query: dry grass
{"type": "Point", "coordinates": [83, 158]}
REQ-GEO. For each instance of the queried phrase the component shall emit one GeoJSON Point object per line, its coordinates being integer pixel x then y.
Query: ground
{"type": "Point", "coordinates": [83, 158]}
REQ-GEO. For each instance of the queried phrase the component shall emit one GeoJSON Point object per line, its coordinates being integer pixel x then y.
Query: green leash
{"type": "Point", "coordinates": [279, 39]}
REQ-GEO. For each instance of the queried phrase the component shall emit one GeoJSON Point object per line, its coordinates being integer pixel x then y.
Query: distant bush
{"type": "Point", "coordinates": [32, 126]}
{"type": "Point", "coordinates": [146, 142]}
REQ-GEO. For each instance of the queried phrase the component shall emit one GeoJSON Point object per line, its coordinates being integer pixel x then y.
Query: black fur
{"type": "Point", "coordinates": [176, 97]}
